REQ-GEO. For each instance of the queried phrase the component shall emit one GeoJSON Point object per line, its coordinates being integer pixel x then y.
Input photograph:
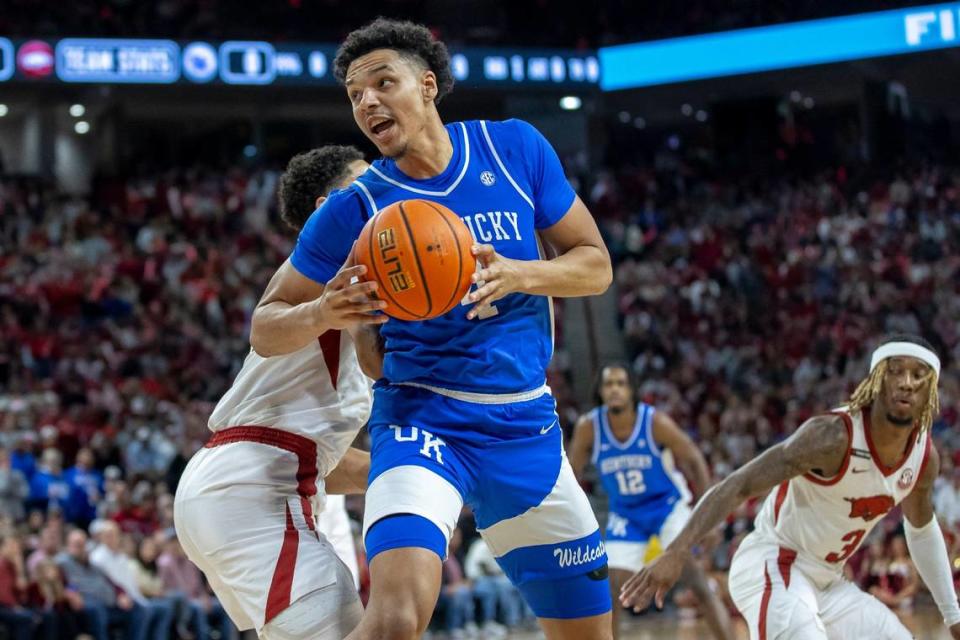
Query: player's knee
{"type": "Point", "coordinates": [397, 622]}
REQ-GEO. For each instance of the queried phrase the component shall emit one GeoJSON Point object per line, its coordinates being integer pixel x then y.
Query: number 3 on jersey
{"type": "Point", "coordinates": [631, 482]}
{"type": "Point", "coordinates": [853, 541]}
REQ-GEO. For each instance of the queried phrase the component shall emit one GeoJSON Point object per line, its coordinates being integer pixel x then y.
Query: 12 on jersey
{"type": "Point", "coordinates": [632, 471]}
{"type": "Point", "coordinates": [505, 182]}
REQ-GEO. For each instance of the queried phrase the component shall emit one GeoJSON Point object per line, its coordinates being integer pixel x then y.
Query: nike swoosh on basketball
{"type": "Point", "coordinates": [544, 430]}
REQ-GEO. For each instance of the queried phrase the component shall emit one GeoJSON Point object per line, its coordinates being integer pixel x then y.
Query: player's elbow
{"type": "Point", "coordinates": [259, 335]}
{"type": "Point", "coordinates": [603, 273]}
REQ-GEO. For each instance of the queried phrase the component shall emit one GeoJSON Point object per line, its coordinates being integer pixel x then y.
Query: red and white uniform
{"type": "Point", "coordinates": [787, 576]}
{"type": "Point", "coordinates": [246, 506]}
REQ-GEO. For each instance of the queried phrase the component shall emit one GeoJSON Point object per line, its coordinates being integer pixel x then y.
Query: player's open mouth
{"type": "Point", "coordinates": [382, 129]}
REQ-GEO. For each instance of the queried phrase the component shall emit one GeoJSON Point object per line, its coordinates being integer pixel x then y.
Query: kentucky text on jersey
{"type": "Point", "coordinates": [505, 182]}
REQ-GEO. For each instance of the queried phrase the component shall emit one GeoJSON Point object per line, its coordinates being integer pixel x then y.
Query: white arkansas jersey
{"type": "Point", "coordinates": [825, 520]}
{"type": "Point", "coordinates": [318, 392]}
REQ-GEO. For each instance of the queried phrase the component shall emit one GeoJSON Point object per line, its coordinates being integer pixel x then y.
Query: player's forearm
{"type": "Point", "coordinates": [582, 271]}
{"type": "Point", "coordinates": [278, 328]}
{"type": "Point", "coordinates": [350, 475]}
{"type": "Point", "coordinates": [710, 511]}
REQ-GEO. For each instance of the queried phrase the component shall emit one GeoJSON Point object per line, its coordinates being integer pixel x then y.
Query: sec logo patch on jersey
{"type": "Point", "coordinates": [488, 179]}
{"type": "Point", "coordinates": [906, 479]}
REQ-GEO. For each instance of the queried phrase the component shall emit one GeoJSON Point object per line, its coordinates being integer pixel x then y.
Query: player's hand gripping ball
{"type": "Point", "coordinates": [419, 253]}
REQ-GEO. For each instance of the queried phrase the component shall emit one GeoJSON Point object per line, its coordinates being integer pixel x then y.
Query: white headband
{"type": "Point", "coordinates": [913, 350]}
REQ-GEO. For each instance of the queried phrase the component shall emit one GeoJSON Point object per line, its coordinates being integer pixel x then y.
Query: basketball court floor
{"type": "Point", "coordinates": [925, 623]}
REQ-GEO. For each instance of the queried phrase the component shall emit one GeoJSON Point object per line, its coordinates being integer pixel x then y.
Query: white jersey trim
{"type": "Point", "coordinates": [448, 190]}
{"type": "Point", "coordinates": [366, 192]}
{"type": "Point", "coordinates": [496, 156]}
{"type": "Point", "coordinates": [481, 398]}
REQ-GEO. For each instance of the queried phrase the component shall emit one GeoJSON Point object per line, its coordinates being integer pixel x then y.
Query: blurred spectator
{"type": "Point", "coordinates": [109, 557]}
{"type": "Point", "coordinates": [493, 590]}
{"type": "Point", "coordinates": [21, 458]}
{"type": "Point", "coordinates": [48, 488]}
{"type": "Point", "coordinates": [14, 489]}
{"type": "Point", "coordinates": [103, 604]}
{"type": "Point", "coordinates": [60, 607]}
{"type": "Point", "coordinates": [13, 585]}
{"type": "Point", "coordinates": [86, 484]}
{"type": "Point", "coordinates": [946, 501]}
{"type": "Point", "coordinates": [890, 574]}
{"type": "Point", "coordinates": [50, 541]}
{"type": "Point", "coordinates": [456, 597]}
{"type": "Point", "coordinates": [181, 576]}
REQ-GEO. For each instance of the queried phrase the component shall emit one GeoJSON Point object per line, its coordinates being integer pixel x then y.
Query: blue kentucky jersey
{"type": "Point", "coordinates": [632, 472]}
{"type": "Point", "coordinates": [505, 182]}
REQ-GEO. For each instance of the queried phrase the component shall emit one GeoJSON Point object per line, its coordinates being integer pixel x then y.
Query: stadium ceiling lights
{"type": "Point", "coordinates": [570, 103]}
{"type": "Point", "coordinates": [4, 110]}
{"type": "Point", "coordinates": [77, 110]}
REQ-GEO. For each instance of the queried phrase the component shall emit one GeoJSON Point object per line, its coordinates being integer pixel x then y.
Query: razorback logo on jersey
{"type": "Point", "coordinates": [870, 508]}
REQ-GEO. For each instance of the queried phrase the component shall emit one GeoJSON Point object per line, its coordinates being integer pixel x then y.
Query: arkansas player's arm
{"type": "Point", "coordinates": [581, 446]}
{"type": "Point", "coordinates": [369, 345]}
{"type": "Point", "coordinates": [820, 443]}
{"type": "Point", "coordinates": [294, 309]}
{"type": "Point", "coordinates": [928, 550]}
{"type": "Point", "coordinates": [581, 266]}
{"type": "Point", "coordinates": [350, 474]}
{"type": "Point", "coordinates": [691, 462]}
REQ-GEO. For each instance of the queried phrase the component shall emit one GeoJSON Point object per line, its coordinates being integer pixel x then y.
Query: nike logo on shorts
{"type": "Point", "coordinates": [859, 470]}
{"type": "Point", "coordinates": [544, 430]}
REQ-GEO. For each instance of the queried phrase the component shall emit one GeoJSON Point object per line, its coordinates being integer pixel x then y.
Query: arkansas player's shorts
{"type": "Point", "coordinates": [333, 523]}
{"type": "Point", "coordinates": [780, 600]}
{"type": "Point", "coordinates": [434, 451]}
{"type": "Point", "coordinates": [630, 548]}
{"type": "Point", "coordinates": [244, 514]}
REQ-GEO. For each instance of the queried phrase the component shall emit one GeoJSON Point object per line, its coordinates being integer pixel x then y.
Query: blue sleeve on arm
{"type": "Point", "coordinates": [325, 240]}
{"type": "Point", "coordinates": [552, 194]}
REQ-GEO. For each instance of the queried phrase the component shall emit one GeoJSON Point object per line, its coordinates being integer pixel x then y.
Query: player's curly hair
{"type": "Point", "coordinates": [412, 41]}
{"type": "Point", "coordinates": [869, 390]}
{"type": "Point", "coordinates": [310, 175]}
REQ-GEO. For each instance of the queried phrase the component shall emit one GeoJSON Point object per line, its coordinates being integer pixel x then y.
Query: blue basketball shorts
{"type": "Point", "coordinates": [432, 453]}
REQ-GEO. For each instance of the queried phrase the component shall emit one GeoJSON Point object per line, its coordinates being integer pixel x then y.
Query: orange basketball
{"type": "Point", "coordinates": [419, 253]}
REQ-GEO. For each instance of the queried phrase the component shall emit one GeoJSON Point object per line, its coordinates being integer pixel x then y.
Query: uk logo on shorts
{"type": "Point", "coordinates": [431, 443]}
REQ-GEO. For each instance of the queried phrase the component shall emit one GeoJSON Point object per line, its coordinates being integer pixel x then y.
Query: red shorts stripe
{"type": "Point", "coordinates": [784, 562]}
{"type": "Point", "coordinates": [278, 598]}
{"type": "Point", "coordinates": [304, 448]}
{"type": "Point", "coordinates": [781, 496]}
{"type": "Point", "coordinates": [765, 603]}
{"type": "Point", "coordinates": [330, 347]}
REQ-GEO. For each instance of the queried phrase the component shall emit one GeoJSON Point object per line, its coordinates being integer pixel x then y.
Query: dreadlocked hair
{"type": "Point", "coordinates": [869, 390]}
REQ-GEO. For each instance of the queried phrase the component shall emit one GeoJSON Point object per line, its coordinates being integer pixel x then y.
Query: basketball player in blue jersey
{"type": "Point", "coordinates": [462, 414]}
{"type": "Point", "coordinates": [634, 448]}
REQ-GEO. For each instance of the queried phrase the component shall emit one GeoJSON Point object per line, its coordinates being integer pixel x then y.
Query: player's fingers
{"type": "Point", "coordinates": [485, 253]}
{"type": "Point", "coordinates": [368, 318]}
{"type": "Point", "coordinates": [485, 275]}
{"type": "Point", "coordinates": [488, 298]}
{"type": "Point", "coordinates": [364, 288]}
{"type": "Point", "coordinates": [661, 592]}
{"type": "Point", "coordinates": [485, 291]}
{"type": "Point", "coordinates": [345, 275]}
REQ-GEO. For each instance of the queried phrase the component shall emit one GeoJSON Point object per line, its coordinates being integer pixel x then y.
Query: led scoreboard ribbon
{"type": "Point", "coordinates": [254, 62]}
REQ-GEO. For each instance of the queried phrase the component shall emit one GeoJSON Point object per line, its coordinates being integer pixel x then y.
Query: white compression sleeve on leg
{"type": "Point", "coordinates": [929, 553]}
